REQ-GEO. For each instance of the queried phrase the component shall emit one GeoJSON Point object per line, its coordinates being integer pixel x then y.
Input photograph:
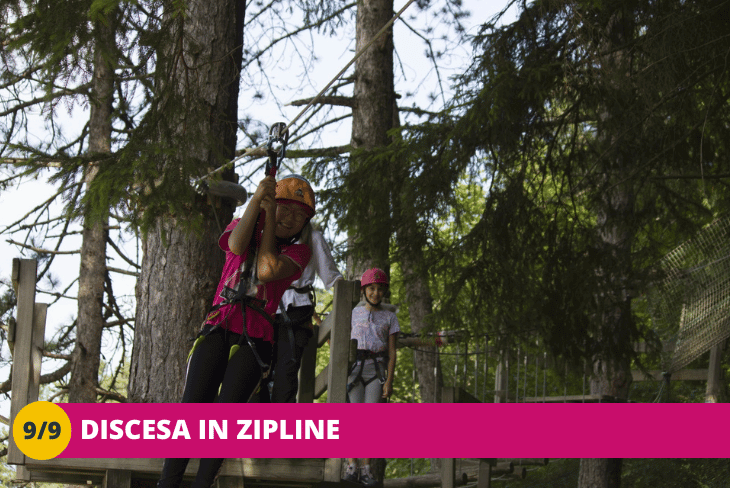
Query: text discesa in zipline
{"type": "Point", "coordinates": [210, 429]}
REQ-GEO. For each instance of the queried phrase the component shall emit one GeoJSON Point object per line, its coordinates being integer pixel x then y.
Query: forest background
{"type": "Point", "coordinates": [520, 183]}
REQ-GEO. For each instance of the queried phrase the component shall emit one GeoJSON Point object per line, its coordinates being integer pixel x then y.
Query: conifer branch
{"type": "Point", "coordinates": [115, 323]}
{"type": "Point", "coordinates": [40, 250]}
{"type": "Point", "coordinates": [121, 254]}
{"type": "Point", "coordinates": [122, 271]}
{"type": "Point", "coordinates": [319, 152]}
{"type": "Point", "coordinates": [44, 204]}
{"type": "Point", "coordinates": [18, 161]}
{"type": "Point", "coordinates": [319, 127]}
{"type": "Point", "coordinates": [54, 355]}
{"type": "Point", "coordinates": [44, 99]}
{"type": "Point", "coordinates": [111, 395]}
{"type": "Point", "coordinates": [295, 32]}
{"type": "Point", "coordinates": [327, 100]}
{"type": "Point", "coordinates": [6, 386]}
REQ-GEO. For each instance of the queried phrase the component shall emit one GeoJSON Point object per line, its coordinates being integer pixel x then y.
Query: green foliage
{"type": "Point", "coordinates": [636, 473]}
{"type": "Point", "coordinates": [578, 134]}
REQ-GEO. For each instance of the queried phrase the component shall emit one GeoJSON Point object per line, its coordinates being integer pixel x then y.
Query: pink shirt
{"type": "Point", "coordinates": [229, 316]}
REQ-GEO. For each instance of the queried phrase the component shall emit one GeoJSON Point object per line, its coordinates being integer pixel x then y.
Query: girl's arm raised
{"type": "Point", "coordinates": [241, 235]}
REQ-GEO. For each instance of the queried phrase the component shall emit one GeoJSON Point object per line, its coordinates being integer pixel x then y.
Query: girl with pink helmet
{"type": "Point", "coordinates": [371, 378]}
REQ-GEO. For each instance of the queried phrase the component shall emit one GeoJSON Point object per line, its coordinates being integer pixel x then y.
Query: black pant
{"type": "Point", "coordinates": [288, 360]}
{"type": "Point", "coordinates": [209, 369]}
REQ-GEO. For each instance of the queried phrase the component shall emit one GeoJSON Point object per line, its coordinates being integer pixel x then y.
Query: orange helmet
{"type": "Point", "coordinates": [296, 188]}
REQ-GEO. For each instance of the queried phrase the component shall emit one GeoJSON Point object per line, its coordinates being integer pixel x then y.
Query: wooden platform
{"type": "Point", "coordinates": [145, 472]}
{"type": "Point", "coordinates": [124, 473]}
{"type": "Point", "coordinates": [574, 399]}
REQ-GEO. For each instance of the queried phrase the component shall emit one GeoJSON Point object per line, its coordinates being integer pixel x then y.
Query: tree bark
{"type": "Point", "coordinates": [372, 118]}
{"type": "Point", "coordinates": [372, 113]}
{"type": "Point", "coordinates": [180, 270]}
{"type": "Point", "coordinates": [427, 362]}
{"type": "Point", "coordinates": [616, 214]}
{"type": "Point", "coordinates": [92, 273]}
{"type": "Point", "coordinates": [600, 473]}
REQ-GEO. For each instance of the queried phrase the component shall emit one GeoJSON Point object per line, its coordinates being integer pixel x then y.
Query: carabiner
{"type": "Point", "coordinates": [276, 146]}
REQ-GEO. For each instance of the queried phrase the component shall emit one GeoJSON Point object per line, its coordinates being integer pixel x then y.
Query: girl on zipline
{"type": "Point", "coordinates": [371, 378]}
{"type": "Point", "coordinates": [233, 350]}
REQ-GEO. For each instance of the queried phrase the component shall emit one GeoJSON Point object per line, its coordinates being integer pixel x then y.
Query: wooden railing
{"type": "Point", "coordinates": [27, 346]}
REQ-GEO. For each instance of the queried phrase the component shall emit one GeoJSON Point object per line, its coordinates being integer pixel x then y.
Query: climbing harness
{"type": "Point", "coordinates": [242, 296]}
{"type": "Point", "coordinates": [298, 321]}
{"type": "Point", "coordinates": [363, 356]}
{"type": "Point", "coordinates": [257, 150]}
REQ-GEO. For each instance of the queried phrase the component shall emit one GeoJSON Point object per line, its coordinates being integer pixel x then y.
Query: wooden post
{"type": "Point", "coordinates": [484, 476]}
{"type": "Point", "coordinates": [453, 394]}
{"type": "Point", "coordinates": [117, 478]}
{"type": "Point", "coordinates": [448, 472]}
{"type": "Point", "coordinates": [346, 292]}
{"type": "Point", "coordinates": [307, 371]}
{"type": "Point", "coordinates": [229, 482]}
{"type": "Point", "coordinates": [39, 332]}
{"type": "Point", "coordinates": [715, 386]}
{"type": "Point", "coordinates": [24, 276]}
{"type": "Point", "coordinates": [500, 382]}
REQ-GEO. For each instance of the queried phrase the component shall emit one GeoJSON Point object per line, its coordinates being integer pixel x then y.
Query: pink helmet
{"type": "Point", "coordinates": [373, 275]}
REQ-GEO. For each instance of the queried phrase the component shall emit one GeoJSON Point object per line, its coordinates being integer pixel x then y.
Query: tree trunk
{"type": "Point", "coordinates": [92, 273]}
{"type": "Point", "coordinates": [600, 473]}
{"type": "Point", "coordinates": [372, 118]}
{"type": "Point", "coordinates": [418, 295]}
{"type": "Point", "coordinates": [427, 362]}
{"type": "Point", "coordinates": [372, 114]}
{"type": "Point", "coordinates": [174, 293]}
{"type": "Point", "coordinates": [180, 270]}
{"type": "Point", "coordinates": [615, 222]}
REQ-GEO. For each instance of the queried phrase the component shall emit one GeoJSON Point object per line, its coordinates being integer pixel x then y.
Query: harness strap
{"type": "Point", "coordinates": [362, 356]}
{"type": "Point", "coordinates": [290, 333]}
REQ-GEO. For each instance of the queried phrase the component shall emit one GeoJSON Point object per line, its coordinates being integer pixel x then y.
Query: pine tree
{"type": "Point", "coordinates": [191, 129]}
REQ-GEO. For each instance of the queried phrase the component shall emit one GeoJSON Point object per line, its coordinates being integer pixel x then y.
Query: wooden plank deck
{"type": "Point", "coordinates": [273, 472]}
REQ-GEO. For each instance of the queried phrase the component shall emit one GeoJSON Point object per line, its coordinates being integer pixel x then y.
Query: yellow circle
{"type": "Point", "coordinates": [42, 430]}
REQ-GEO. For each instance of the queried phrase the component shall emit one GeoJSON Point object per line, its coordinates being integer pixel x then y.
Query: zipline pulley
{"type": "Point", "coordinates": [276, 146]}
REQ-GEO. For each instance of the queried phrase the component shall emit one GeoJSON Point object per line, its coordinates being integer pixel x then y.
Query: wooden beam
{"type": "Point", "coordinates": [681, 375]}
{"type": "Point", "coordinates": [333, 470]}
{"type": "Point", "coordinates": [305, 394]}
{"type": "Point", "coordinates": [40, 311]}
{"type": "Point", "coordinates": [325, 329]}
{"type": "Point", "coordinates": [528, 461]}
{"type": "Point", "coordinates": [81, 470]}
{"type": "Point", "coordinates": [574, 399]}
{"type": "Point", "coordinates": [454, 394]}
{"type": "Point", "coordinates": [423, 481]}
{"type": "Point", "coordinates": [116, 478]}
{"type": "Point", "coordinates": [484, 477]}
{"type": "Point", "coordinates": [24, 274]}
{"type": "Point", "coordinates": [320, 382]}
{"type": "Point", "coordinates": [503, 467]}
{"type": "Point", "coordinates": [345, 293]}
{"type": "Point", "coordinates": [448, 472]}
{"type": "Point", "coordinates": [714, 392]}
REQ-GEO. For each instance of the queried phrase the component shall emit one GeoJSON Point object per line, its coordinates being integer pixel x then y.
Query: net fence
{"type": "Point", "coordinates": [691, 304]}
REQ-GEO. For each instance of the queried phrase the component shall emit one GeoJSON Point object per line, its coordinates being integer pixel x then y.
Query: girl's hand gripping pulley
{"type": "Point", "coordinates": [276, 147]}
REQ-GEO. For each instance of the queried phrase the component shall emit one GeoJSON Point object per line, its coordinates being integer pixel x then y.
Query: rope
{"type": "Point", "coordinates": [253, 151]}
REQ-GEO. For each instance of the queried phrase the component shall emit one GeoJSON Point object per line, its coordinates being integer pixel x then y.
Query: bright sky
{"type": "Point", "coordinates": [333, 55]}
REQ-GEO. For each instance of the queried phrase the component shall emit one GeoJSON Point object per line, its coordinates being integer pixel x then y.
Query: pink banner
{"type": "Point", "coordinates": [396, 430]}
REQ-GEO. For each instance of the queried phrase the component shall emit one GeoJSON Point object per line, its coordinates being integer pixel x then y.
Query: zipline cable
{"type": "Point", "coordinates": [255, 150]}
